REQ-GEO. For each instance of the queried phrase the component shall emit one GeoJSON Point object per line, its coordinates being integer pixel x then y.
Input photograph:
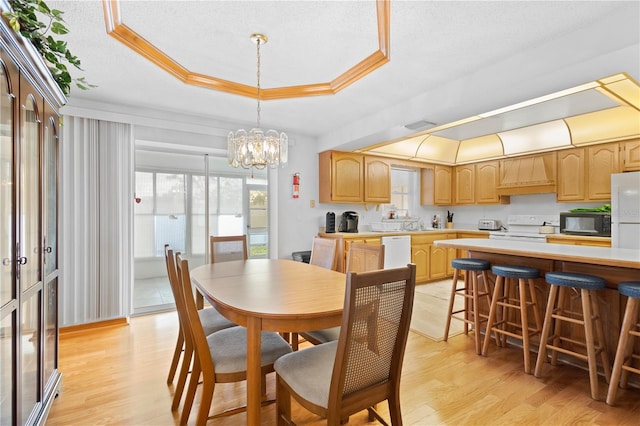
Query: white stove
{"type": "Point", "coordinates": [526, 228]}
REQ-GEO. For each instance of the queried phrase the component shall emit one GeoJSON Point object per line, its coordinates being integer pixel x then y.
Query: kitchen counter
{"type": "Point", "coordinates": [626, 258]}
{"type": "Point", "coordinates": [614, 265]}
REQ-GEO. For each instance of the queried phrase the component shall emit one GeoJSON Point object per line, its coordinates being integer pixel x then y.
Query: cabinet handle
{"type": "Point", "coordinates": [22, 260]}
{"type": "Point", "coordinates": [6, 261]}
{"type": "Point", "coordinates": [48, 249]}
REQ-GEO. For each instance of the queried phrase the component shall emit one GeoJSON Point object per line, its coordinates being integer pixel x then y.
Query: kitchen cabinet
{"type": "Point", "coordinates": [487, 179]}
{"type": "Point", "coordinates": [630, 152]}
{"type": "Point", "coordinates": [464, 184]}
{"type": "Point", "coordinates": [377, 180]}
{"type": "Point", "coordinates": [435, 186]}
{"type": "Point", "coordinates": [347, 243]}
{"type": "Point", "coordinates": [584, 174]}
{"type": "Point", "coordinates": [29, 101]}
{"type": "Point", "coordinates": [432, 262]}
{"type": "Point", "coordinates": [346, 177]}
{"type": "Point", "coordinates": [578, 240]}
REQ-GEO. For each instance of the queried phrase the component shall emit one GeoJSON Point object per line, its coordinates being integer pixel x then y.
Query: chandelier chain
{"type": "Point", "coordinates": [258, 77]}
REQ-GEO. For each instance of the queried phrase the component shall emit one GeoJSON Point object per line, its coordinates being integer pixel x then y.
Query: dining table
{"type": "Point", "coordinates": [278, 295]}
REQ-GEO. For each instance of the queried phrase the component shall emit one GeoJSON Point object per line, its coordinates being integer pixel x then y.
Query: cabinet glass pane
{"type": "Point", "coordinates": [29, 196]}
{"type": "Point", "coordinates": [7, 246]}
{"type": "Point", "coordinates": [29, 348]}
{"type": "Point", "coordinates": [51, 198]}
{"type": "Point", "coordinates": [6, 369]}
{"type": "Point", "coordinates": [50, 329]}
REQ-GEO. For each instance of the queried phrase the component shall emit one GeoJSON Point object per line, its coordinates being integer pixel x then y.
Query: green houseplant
{"type": "Point", "coordinates": [34, 20]}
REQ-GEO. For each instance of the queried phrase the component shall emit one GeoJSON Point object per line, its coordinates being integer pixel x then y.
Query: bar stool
{"type": "Point", "coordinates": [471, 293]}
{"type": "Point", "coordinates": [589, 318]}
{"type": "Point", "coordinates": [503, 296]}
{"type": "Point", "coordinates": [630, 328]}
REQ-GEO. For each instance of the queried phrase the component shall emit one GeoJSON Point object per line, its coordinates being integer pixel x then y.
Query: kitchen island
{"type": "Point", "coordinates": [613, 264]}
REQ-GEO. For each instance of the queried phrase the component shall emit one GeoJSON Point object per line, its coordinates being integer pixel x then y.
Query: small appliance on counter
{"type": "Point", "coordinates": [593, 224]}
{"type": "Point", "coordinates": [489, 225]}
{"type": "Point", "coordinates": [349, 222]}
{"type": "Point", "coordinates": [330, 223]}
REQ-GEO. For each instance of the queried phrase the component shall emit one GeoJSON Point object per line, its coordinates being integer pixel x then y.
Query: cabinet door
{"type": "Point", "coordinates": [438, 262]}
{"type": "Point", "coordinates": [442, 185]}
{"type": "Point", "coordinates": [487, 178]}
{"type": "Point", "coordinates": [630, 156]}
{"type": "Point", "coordinates": [347, 179]}
{"type": "Point", "coordinates": [602, 161]}
{"type": "Point", "coordinates": [377, 180]}
{"type": "Point", "coordinates": [8, 291]}
{"type": "Point", "coordinates": [464, 184]}
{"type": "Point", "coordinates": [571, 177]}
{"type": "Point", "coordinates": [420, 257]}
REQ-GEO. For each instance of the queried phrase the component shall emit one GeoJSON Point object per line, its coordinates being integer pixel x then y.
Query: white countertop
{"type": "Point", "coordinates": [627, 258]}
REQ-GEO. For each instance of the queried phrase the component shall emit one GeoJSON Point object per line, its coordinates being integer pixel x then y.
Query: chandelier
{"type": "Point", "coordinates": [256, 148]}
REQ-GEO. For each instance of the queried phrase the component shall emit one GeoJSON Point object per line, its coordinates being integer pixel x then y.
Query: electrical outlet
{"type": "Point", "coordinates": [312, 203]}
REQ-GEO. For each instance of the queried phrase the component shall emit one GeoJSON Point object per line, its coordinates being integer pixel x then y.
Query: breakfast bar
{"type": "Point", "coordinates": [614, 265]}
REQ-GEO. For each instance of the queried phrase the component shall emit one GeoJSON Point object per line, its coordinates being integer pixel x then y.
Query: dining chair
{"type": "Point", "coordinates": [363, 367]}
{"type": "Point", "coordinates": [211, 321]}
{"type": "Point", "coordinates": [220, 357]}
{"type": "Point", "coordinates": [324, 252]}
{"type": "Point", "coordinates": [224, 249]}
{"type": "Point", "coordinates": [360, 258]}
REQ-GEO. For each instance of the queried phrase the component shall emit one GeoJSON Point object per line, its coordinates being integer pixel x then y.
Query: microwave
{"type": "Point", "coordinates": [596, 224]}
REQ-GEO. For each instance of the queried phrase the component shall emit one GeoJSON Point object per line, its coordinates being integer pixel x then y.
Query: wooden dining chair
{"type": "Point", "coordinates": [360, 258]}
{"type": "Point", "coordinates": [363, 367]}
{"type": "Point", "coordinates": [220, 357]}
{"type": "Point", "coordinates": [224, 249]}
{"type": "Point", "coordinates": [210, 318]}
{"type": "Point", "coordinates": [324, 252]}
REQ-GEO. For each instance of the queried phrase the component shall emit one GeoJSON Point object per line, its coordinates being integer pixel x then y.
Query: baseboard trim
{"type": "Point", "coordinates": [115, 322]}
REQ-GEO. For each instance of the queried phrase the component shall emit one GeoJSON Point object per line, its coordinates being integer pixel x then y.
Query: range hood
{"type": "Point", "coordinates": [601, 111]}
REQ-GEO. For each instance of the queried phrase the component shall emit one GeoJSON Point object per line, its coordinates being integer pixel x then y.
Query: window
{"type": "Point", "coordinates": [404, 191]}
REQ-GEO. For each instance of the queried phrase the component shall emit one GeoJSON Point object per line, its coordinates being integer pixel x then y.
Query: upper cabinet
{"type": "Point", "coordinates": [630, 153]}
{"type": "Point", "coordinates": [464, 186]}
{"type": "Point", "coordinates": [487, 180]}
{"type": "Point", "coordinates": [346, 177]}
{"type": "Point", "coordinates": [584, 174]}
{"type": "Point", "coordinates": [435, 185]}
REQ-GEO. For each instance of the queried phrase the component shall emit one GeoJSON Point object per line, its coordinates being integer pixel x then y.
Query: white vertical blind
{"type": "Point", "coordinates": [97, 166]}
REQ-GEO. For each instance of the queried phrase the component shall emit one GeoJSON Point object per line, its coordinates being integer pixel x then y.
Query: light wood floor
{"type": "Point", "coordinates": [117, 376]}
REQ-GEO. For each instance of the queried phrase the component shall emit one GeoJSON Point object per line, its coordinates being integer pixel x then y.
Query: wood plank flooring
{"type": "Point", "coordinates": [117, 376]}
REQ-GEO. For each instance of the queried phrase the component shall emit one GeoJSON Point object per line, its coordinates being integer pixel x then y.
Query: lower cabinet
{"type": "Point", "coordinates": [579, 240]}
{"type": "Point", "coordinates": [432, 262]}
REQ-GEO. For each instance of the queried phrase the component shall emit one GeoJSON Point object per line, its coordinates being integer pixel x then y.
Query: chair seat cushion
{"type": "Point", "coordinates": [571, 279]}
{"type": "Point", "coordinates": [213, 321]}
{"type": "Point", "coordinates": [308, 371]}
{"type": "Point", "coordinates": [630, 289]}
{"type": "Point", "coordinates": [229, 349]}
{"type": "Point", "coordinates": [325, 335]}
{"type": "Point", "coordinates": [466, 264]}
{"type": "Point", "coordinates": [520, 272]}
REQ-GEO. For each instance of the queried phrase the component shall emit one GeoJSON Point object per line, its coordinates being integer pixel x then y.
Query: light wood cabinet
{"type": "Point", "coordinates": [377, 180]}
{"type": "Point", "coordinates": [584, 174]}
{"type": "Point", "coordinates": [435, 186]}
{"type": "Point", "coordinates": [464, 186]}
{"type": "Point", "coordinates": [346, 177]}
{"type": "Point", "coordinates": [579, 240]}
{"type": "Point", "coordinates": [630, 153]}
{"type": "Point", "coordinates": [432, 262]}
{"type": "Point", "coordinates": [487, 179]}
{"type": "Point", "coordinates": [29, 101]}
{"type": "Point", "coordinates": [533, 174]}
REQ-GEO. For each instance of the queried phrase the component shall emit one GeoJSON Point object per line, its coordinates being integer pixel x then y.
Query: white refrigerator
{"type": "Point", "coordinates": [625, 210]}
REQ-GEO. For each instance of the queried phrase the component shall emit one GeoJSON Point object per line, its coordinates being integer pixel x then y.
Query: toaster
{"type": "Point", "coordinates": [489, 225]}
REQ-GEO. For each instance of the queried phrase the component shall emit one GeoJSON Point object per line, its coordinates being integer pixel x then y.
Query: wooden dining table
{"type": "Point", "coordinates": [271, 295]}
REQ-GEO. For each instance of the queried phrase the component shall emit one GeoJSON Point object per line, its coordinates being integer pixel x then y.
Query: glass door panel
{"type": "Point", "coordinates": [29, 195]}
{"type": "Point", "coordinates": [7, 325]}
{"type": "Point", "coordinates": [50, 328]}
{"type": "Point", "coordinates": [29, 349]}
{"type": "Point", "coordinates": [258, 222]}
{"type": "Point", "coordinates": [51, 197]}
{"type": "Point", "coordinates": [7, 226]}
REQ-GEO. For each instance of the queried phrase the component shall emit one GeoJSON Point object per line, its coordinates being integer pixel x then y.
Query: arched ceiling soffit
{"type": "Point", "coordinates": [117, 29]}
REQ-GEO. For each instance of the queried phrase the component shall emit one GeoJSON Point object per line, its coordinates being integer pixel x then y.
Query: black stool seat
{"type": "Point", "coordinates": [571, 279]}
{"type": "Point", "coordinates": [471, 264]}
{"type": "Point", "coordinates": [630, 289]}
{"type": "Point", "coordinates": [519, 272]}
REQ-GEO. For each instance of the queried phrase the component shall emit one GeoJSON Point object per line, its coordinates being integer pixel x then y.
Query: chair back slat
{"type": "Point", "coordinates": [323, 253]}
{"type": "Point", "coordinates": [365, 257]}
{"type": "Point", "coordinates": [224, 249]}
{"type": "Point", "coordinates": [374, 331]}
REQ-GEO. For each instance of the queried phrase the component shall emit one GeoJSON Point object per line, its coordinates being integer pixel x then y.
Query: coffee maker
{"type": "Point", "coordinates": [349, 222]}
